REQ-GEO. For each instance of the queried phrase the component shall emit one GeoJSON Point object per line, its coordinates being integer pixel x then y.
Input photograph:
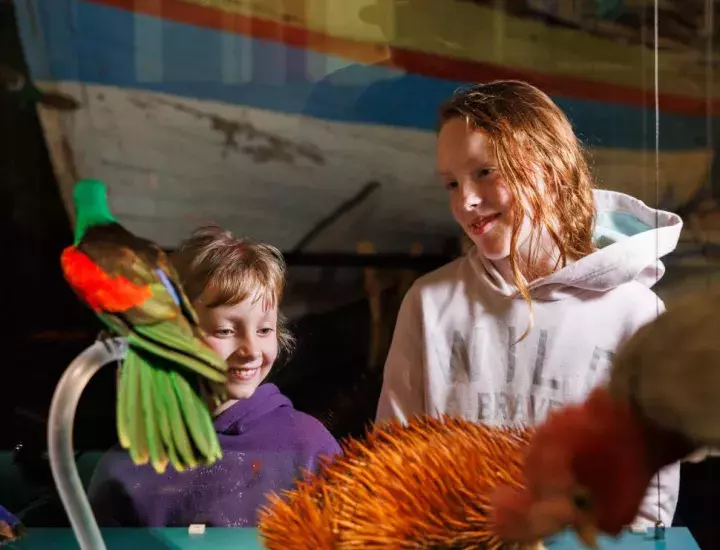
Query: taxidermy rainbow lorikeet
{"type": "Point", "coordinates": [131, 285]}
{"type": "Point", "coordinates": [10, 527]}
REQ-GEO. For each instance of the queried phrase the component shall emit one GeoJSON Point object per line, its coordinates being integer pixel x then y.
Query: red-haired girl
{"type": "Point", "coordinates": [559, 274]}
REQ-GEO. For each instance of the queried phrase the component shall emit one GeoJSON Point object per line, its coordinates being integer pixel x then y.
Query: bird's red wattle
{"type": "Point", "coordinates": [98, 289]}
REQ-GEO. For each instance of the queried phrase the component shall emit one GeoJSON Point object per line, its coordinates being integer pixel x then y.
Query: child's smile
{"type": "Point", "coordinates": [243, 374]}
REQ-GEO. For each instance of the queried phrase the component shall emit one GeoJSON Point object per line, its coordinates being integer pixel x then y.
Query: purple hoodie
{"type": "Point", "coordinates": [266, 443]}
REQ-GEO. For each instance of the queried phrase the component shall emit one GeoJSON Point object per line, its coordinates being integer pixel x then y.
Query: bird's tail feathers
{"type": "Point", "coordinates": [161, 415]}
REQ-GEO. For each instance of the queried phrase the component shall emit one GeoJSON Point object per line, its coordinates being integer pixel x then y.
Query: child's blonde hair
{"type": "Point", "coordinates": [225, 270]}
{"type": "Point", "coordinates": [527, 131]}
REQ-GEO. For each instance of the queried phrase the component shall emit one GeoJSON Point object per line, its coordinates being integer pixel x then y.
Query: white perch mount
{"type": "Point", "coordinates": [60, 438]}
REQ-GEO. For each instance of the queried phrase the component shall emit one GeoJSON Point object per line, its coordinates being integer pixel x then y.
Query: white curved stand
{"type": "Point", "coordinates": [60, 438]}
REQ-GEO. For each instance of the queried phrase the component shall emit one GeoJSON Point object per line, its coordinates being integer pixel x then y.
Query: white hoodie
{"type": "Point", "coordinates": [452, 350]}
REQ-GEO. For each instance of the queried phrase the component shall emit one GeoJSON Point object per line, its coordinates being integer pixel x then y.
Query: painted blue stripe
{"type": "Point", "coordinates": [100, 45]}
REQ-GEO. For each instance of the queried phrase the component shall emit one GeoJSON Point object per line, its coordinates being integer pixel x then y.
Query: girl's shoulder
{"type": "Point", "coordinates": [312, 433]}
{"type": "Point", "coordinates": [458, 272]}
{"type": "Point", "coordinates": [452, 271]}
{"type": "Point", "coordinates": [459, 281]}
{"type": "Point", "coordinates": [631, 297]}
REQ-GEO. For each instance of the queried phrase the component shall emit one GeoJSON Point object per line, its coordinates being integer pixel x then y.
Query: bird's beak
{"type": "Point", "coordinates": [587, 533]}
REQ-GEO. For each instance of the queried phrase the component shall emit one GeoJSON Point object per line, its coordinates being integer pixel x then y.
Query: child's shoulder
{"type": "Point", "coordinates": [304, 429]}
{"type": "Point", "coordinates": [634, 295]}
{"type": "Point", "coordinates": [449, 272]}
{"type": "Point", "coordinates": [630, 305]}
{"type": "Point", "coordinates": [114, 468]}
{"type": "Point", "coordinates": [444, 279]}
{"type": "Point", "coordinates": [306, 423]}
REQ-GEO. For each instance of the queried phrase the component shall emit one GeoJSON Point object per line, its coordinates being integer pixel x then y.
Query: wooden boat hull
{"type": "Point", "coordinates": [265, 117]}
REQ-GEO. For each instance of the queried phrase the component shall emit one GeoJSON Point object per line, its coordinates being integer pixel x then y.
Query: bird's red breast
{"type": "Point", "coordinates": [98, 289]}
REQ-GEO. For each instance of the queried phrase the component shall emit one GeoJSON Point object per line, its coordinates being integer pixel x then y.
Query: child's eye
{"type": "Point", "coordinates": [266, 331]}
{"type": "Point", "coordinates": [223, 332]}
{"type": "Point", "coordinates": [485, 172]}
{"type": "Point", "coordinates": [451, 185]}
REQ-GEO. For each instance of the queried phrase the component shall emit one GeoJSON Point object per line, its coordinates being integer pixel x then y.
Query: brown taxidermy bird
{"type": "Point", "coordinates": [589, 465]}
{"type": "Point", "coordinates": [423, 485]}
{"type": "Point", "coordinates": [670, 371]}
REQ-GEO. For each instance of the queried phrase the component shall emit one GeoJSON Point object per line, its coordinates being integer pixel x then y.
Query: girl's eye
{"type": "Point", "coordinates": [451, 185]}
{"type": "Point", "coordinates": [265, 331]}
{"type": "Point", "coordinates": [485, 172]}
{"type": "Point", "coordinates": [223, 332]}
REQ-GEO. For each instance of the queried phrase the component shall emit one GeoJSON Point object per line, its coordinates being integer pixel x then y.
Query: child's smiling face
{"type": "Point", "coordinates": [480, 201]}
{"type": "Point", "coordinates": [245, 335]}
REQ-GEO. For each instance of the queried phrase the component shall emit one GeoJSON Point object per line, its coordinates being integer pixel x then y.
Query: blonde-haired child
{"type": "Point", "coordinates": [236, 287]}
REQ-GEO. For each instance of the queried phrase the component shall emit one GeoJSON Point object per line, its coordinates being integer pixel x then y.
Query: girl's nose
{"type": "Point", "coordinates": [248, 348]}
{"type": "Point", "coordinates": [471, 197]}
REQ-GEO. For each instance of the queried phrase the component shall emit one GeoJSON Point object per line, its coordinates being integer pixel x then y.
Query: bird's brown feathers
{"type": "Point", "coordinates": [670, 369]}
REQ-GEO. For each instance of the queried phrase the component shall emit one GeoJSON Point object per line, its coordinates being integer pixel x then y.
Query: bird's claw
{"type": "Point", "coordinates": [106, 337]}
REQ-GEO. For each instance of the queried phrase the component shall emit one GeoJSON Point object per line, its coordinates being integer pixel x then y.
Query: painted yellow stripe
{"type": "Point", "coordinates": [633, 172]}
{"type": "Point", "coordinates": [480, 33]}
{"type": "Point", "coordinates": [339, 19]}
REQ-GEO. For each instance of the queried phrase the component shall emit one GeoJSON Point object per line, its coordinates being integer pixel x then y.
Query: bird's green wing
{"type": "Point", "coordinates": [163, 341]}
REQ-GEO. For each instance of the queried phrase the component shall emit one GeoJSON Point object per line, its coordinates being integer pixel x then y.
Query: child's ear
{"type": "Point", "coordinates": [286, 341]}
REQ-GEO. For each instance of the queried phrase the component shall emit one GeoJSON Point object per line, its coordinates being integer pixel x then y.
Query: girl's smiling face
{"type": "Point", "coordinates": [479, 199]}
{"type": "Point", "coordinates": [245, 335]}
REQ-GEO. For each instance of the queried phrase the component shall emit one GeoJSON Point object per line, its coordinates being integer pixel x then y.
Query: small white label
{"type": "Point", "coordinates": [196, 529]}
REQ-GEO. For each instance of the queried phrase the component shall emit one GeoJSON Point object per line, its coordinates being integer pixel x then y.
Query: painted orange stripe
{"type": "Point", "coordinates": [440, 66]}
{"type": "Point", "coordinates": [422, 63]}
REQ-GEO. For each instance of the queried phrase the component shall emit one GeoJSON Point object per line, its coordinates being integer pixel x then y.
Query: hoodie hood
{"type": "Point", "coordinates": [630, 237]}
{"type": "Point", "coordinates": [266, 399]}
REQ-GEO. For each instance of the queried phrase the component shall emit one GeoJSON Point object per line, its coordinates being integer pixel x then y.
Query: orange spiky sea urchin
{"type": "Point", "coordinates": [423, 485]}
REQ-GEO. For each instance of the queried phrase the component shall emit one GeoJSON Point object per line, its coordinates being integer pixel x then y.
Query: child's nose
{"type": "Point", "coordinates": [248, 347]}
{"type": "Point", "coordinates": [471, 197]}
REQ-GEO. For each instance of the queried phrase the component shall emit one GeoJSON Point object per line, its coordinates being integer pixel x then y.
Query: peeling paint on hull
{"type": "Point", "coordinates": [170, 166]}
